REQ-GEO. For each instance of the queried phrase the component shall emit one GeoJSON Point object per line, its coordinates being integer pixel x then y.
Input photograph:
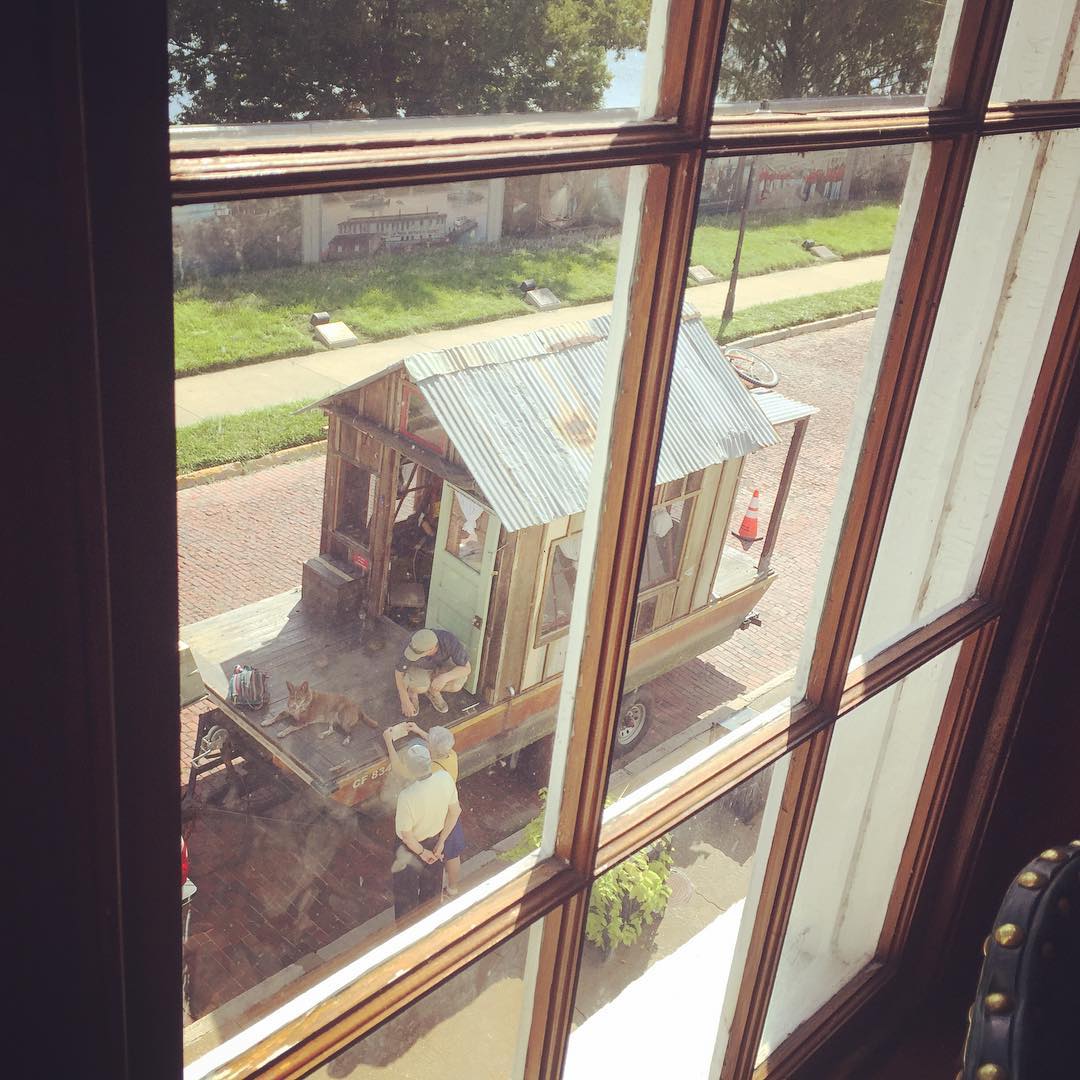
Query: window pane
{"type": "Point", "coordinates": [468, 530]}
{"type": "Point", "coordinates": [1007, 271]}
{"type": "Point", "coordinates": [767, 399]}
{"type": "Point", "coordinates": [662, 935]}
{"type": "Point", "coordinates": [416, 431]}
{"type": "Point", "coordinates": [877, 760]}
{"type": "Point", "coordinates": [559, 585]}
{"type": "Point", "coordinates": [248, 62]}
{"type": "Point", "coordinates": [470, 1028]}
{"type": "Point", "coordinates": [799, 54]}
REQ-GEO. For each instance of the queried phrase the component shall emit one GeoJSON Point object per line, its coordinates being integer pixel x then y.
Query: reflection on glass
{"type": "Point", "coordinates": [249, 62]}
{"type": "Point", "coordinates": [437, 481]}
{"type": "Point", "coordinates": [559, 586]}
{"type": "Point", "coordinates": [470, 1028]}
{"type": "Point", "coordinates": [783, 52]}
{"type": "Point", "coordinates": [750, 459]}
{"type": "Point", "coordinates": [877, 761]}
{"type": "Point", "coordinates": [660, 940]}
{"type": "Point", "coordinates": [468, 530]}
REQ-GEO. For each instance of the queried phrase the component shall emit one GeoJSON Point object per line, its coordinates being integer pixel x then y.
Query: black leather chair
{"type": "Point", "coordinates": [1026, 1016]}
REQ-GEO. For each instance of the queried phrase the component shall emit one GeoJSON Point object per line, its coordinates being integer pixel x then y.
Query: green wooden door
{"type": "Point", "coordinates": [462, 571]}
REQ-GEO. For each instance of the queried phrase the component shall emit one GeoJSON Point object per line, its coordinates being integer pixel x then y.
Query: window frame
{"type": "Point", "coordinates": [675, 144]}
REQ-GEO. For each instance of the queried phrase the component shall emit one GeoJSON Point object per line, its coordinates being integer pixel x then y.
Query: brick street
{"type": "Point", "coordinates": [276, 884]}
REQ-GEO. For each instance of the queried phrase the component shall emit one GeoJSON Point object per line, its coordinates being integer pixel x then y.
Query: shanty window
{"type": "Point", "coordinates": [418, 422]}
{"type": "Point", "coordinates": [468, 530]}
{"type": "Point", "coordinates": [559, 585]}
{"type": "Point", "coordinates": [358, 487]}
{"type": "Point", "coordinates": [664, 542]}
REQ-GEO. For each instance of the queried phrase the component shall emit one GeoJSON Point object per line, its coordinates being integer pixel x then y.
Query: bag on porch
{"type": "Point", "coordinates": [249, 687]}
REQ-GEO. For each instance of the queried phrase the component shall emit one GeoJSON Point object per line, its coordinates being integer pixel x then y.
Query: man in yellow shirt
{"type": "Point", "coordinates": [440, 743]}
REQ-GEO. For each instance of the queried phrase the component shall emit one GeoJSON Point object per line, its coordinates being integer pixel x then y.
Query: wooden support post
{"type": "Point", "coordinates": [782, 492]}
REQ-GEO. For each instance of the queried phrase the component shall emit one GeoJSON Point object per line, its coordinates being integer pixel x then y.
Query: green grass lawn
{"type": "Point", "coordinates": [761, 318]}
{"type": "Point", "coordinates": [261, 315]}
{"type": "Point", "coordinates": [246, 436]}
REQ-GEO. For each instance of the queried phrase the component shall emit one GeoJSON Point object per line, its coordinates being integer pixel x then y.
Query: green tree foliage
{"type": "Point", "coordinates": [828, 48]}
{"type": "Point", "coordinates": [244, 61]}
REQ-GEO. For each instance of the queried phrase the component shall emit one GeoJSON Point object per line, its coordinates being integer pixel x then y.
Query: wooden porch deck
{"type": "Point", "coordinates": [346, 656]}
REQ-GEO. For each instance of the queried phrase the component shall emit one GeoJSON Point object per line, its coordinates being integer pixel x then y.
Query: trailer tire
{"type": "Point", "coordinates": [635, 712]}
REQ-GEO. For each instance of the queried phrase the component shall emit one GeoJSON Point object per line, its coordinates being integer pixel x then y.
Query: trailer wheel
{"type": "Point", "coordinates": [634, 716]}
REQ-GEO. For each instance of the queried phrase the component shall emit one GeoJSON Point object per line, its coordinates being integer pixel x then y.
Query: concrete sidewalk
{"type": "Point", "coordinates": [225, 393]}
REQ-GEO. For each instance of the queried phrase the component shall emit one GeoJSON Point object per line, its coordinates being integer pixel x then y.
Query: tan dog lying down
{"type": "Point", "coordinates": [307, 706]}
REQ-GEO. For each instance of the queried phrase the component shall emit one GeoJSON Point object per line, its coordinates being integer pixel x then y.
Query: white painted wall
{"type": "Point", "coordinates": [1012, 252]}
{"type": "Point", "coordinates": [875, 770]}
{"type": "Point", "coordinates": [1036, 61]}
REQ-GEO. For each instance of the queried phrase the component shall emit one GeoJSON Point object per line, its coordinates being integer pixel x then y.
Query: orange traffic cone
{"type": "Point", "coordinates": [748, 529]}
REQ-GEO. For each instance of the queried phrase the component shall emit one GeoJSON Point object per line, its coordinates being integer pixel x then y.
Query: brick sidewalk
{"type": "Point", "coordinates": [275, 886]}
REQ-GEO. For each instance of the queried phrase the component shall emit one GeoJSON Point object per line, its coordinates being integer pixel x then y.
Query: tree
{"type": "Point", "coordinates": [828, 48]}
{"type": "Point", "coordinates": [245, 61]}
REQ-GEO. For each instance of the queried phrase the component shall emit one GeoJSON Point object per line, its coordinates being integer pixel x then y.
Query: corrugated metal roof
{"type": "Point", "coordinates": [781, 410]}
{"type": "Point", "coordinates": [522, 410]}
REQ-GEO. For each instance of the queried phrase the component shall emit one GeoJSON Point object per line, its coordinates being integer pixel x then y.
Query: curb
{"type": "Point", "coordinates": [241, 468]}
{"type": "Point", "coordinates": [804, 328]}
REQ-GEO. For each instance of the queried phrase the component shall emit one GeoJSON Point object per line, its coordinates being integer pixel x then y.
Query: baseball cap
{"type": "Point", "coordinates": [422, 642]}
{"type": "Point", "coordinates": [416, 760]}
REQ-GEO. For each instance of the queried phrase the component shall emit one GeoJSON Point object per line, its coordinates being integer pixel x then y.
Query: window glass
{"type": "Point", "coordinates": [806, 54]}
{"type": "Point", "coordinates": [559, 587]}
{"type": "Point", "coordinates": [877, 762]}
{"type": "Point", "coordinates": [661, 940]}
{"type": "Point", "coordinates": [1037, 60]}
{"type": "Point", "coordinates": [467, 534]}
{"type": "Point", "coordinates": [1005, 278]}
{"type": "Point", "coordinates": [330, 538]}
{"type": "Point", "coordinates": [664, 542]}
{"type": "Point", "coordinates": [342, 60]}
{"type": "Point", "coordinates": [792, 273]}
{"type": "Point", "coordinates": [470, 1028]}
{"type": "Point", "coordinates": [418, 421]}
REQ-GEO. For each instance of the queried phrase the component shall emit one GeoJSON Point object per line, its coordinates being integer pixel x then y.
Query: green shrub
{"type": "Point", "coordinates": [625, 900]}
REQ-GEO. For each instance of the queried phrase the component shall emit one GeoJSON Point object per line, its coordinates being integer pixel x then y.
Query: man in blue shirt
{"type": "Point", "coordinates": [434, 663]}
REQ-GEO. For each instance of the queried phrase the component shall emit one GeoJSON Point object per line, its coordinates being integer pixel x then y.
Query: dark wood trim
{"type": "Point", "coordinates": [255, 171]}
{"type": "Point", "coordinates": [908, 341]}
{"type": "Point", "coordinates": [556, 988]}
{"type": "Point", "coordinates": [898, 660]}
{"type": "Point", "coordinates": [1031, 116]}
{"type": "Point", "coordinates": [980, 34]}
{"type": "Point", "coordinates": [772, 912]}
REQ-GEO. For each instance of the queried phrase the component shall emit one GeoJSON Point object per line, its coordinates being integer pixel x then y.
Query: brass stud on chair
{"type": "Point", "coordinates": [1074, 843]}
{"type": "Point", "coordinates": [1009, 935]}
{"type": "Point", "coordinates": [998, 1004]}
{"type": "Point", "coordinates": [991, 1072]}
{"type": "Point", "coordinates": [1054, 854]}
{"type": "Point", "coordinates": [1031, 879]}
